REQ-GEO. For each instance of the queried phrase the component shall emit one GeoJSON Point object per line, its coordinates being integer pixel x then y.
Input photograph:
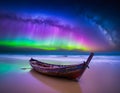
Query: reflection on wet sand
{"type": "Point", "coordinates": [60, 84]}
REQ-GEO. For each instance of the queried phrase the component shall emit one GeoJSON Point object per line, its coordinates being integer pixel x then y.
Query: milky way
{"type": "Point", "coordinates": [59, 25]}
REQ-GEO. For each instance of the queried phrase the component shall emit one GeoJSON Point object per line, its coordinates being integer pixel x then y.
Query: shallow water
{"type": "Point", "coordinates": [16, 75]}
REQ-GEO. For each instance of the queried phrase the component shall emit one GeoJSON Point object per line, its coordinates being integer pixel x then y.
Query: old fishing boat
{"type": "Point", "coordinates": [67, 71]}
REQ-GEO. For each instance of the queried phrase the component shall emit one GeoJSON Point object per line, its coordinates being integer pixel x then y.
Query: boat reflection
{"type": "Point", "coordinates": [61, 85]}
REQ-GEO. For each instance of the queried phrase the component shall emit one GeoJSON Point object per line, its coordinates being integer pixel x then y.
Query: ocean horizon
{"type": "Point", "coordinates": [107, 53]}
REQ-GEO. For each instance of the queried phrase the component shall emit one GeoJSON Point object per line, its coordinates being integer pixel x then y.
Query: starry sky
{"type": "Point", "coordinates": [89, 25]}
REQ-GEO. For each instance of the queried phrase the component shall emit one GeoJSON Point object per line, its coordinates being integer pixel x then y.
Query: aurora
{"type": "Point", "coordinates": [51, 33]}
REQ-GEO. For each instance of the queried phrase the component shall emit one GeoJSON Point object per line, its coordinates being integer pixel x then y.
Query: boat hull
{"type": "Point", "coordinates": [66, 72]}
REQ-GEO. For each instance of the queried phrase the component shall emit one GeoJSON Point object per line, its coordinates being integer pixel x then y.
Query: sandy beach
{"type": "Point", "coordinates": [17, 76]}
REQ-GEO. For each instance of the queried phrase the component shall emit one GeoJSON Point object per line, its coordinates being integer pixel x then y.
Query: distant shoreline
{"type": "Point", "coordinates": [65, 53]}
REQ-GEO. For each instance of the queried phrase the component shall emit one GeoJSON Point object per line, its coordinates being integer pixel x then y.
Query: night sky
{"type": "Point", "coordinates": [88, 25]}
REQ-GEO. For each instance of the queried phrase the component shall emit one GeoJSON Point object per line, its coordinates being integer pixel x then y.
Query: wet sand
{"type": "Point", "coordinates": [16, 76]}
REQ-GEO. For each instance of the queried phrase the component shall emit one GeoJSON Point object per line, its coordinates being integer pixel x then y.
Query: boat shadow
{"type": "Point", "coordinates": [60, 84]}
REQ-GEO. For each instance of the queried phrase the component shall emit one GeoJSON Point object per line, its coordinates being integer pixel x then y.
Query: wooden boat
{"type": "Point", "coordinates": [67, 71]}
